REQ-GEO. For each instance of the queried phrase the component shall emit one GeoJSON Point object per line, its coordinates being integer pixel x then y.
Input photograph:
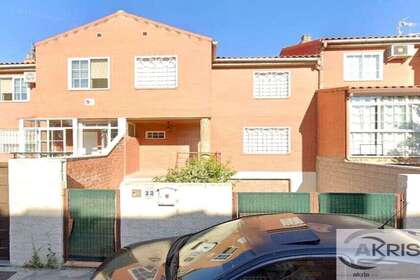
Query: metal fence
{"type": "Point", "coordinates": [377, 207]}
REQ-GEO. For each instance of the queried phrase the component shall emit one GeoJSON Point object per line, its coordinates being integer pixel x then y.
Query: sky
{"type": "Point", "coordinates": [241, 27]}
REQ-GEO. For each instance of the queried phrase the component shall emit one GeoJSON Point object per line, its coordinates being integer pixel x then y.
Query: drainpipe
{"type": "Point", "coordinates": [348, 96]}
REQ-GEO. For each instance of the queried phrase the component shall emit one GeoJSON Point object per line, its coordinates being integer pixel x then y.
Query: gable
{"type": "Point", "coordinates": [126, 16]}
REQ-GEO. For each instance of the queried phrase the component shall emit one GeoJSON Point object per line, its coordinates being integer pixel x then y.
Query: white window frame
{"type": "Point", "coordinates": [154, 131]}
{"type": "Point", "coordinates": [289, 89]}
{"type": "Point", "coordinates": [289, 140]}
{"type": "Point", "coordinates": [155, 56]}
{"type": "Point", "coordinates": [13, 77]}
{"type": "Point", "coordinates": [89, 87]}
{"type": "Point", "coordinates": [381, 66]}
{"type": "Point", "coordinates": [379, 131]}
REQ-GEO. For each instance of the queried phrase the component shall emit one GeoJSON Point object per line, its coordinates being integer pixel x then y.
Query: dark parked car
{"type": "Point", "coordinates": [281, 246]}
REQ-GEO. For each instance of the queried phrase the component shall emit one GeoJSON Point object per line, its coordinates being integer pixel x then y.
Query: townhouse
{"type": "Point", "coordinates": [120, 100]}
{"type": "Point", "coordinates": [137, 97]}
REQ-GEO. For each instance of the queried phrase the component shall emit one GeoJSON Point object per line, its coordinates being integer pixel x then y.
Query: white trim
{"type": "Point", "coordinates": [265, 59]}
{"type": "Point", "coordinates": [289, 146]}
{"type": "Point", "coordinates": [289, 86]}
{"type": "Point", "coordinates": [157, 56]}
{"type": "Point", "coordinates": [13, 77]}
{"type": "Point", "coordinates": [89, 88]}
{"type": "Point", "coordinates": [381, 65]}
{"type": "Point", "coordinates": [154, 131]}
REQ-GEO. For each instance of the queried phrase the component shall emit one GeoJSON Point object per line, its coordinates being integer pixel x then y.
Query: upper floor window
{"type": "Point", "coordinates": [271, 84]}
{"type": "Point", "coordinates": [266, 140]}
{"type": "Point", "coordinates": [385, 126]}
{"type": "Point", "coordinates": [88, 73]}
{"type": "Point", "coordinates": [13, 89]}
{"type": "Point", "coordinates": [363, 66]}
{"type": "Point", "coordinates": [155, 72]}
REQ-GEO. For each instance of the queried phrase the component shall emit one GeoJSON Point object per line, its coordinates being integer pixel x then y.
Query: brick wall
{"type": "Point", "coordinates": [338, 175]}
{"type": "Point", "coordinates": [104, 172]}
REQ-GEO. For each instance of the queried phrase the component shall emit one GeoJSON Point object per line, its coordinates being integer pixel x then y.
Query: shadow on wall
{"type": "Point", "coordinates": [93, 237]}
{"type": "Point", "coordinates": [147, 228]}
{"type": "Point", "coordinates": [308, 130]}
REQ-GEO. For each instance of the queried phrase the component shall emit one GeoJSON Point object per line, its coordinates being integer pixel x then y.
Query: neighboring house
{"type": "Point", "coordinates": [146, 99]}
{"type": "Point", "coordinates": [368, 108]}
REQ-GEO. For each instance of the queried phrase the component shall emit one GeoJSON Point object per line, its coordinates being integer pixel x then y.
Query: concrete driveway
{"type": "Point", "coordinates": [45, 274]}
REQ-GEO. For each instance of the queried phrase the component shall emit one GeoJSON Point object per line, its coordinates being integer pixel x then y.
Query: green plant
{"type": "Point", "coordinates": [52, 261]}
{"type": "Point", "coordinates": [204, 169]}
{"type": "Point", "coordinates": [35, 261]}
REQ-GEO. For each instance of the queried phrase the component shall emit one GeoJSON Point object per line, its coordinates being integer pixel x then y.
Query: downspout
{"type": "Point", "coordinates": [348, 96]}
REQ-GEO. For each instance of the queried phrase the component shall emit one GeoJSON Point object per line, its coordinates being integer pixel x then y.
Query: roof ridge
{"type": "Point", "coordinates": [116, 14]}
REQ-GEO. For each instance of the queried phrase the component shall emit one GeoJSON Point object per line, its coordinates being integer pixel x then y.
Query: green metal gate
{"type": "Point", "coordinates": [250, 203]}
{"type": "Point", "coordinates": [377, 207]}
{"type": "Point", "coordinates": [92, 224]}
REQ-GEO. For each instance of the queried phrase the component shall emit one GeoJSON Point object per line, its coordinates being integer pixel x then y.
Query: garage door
{"type": "Point", "coordinates": [4, 212]}
{"type": "Point", "coordinates": [259, 185]}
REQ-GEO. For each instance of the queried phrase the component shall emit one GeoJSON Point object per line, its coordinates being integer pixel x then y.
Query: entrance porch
{"type": "Point", "coordinates": [154, 146]}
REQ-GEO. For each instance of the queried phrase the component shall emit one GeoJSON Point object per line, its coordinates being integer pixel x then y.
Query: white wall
{"type": "Point", "coordinates": [36, 207]}
{"type": "Point", "coordinates": [411, 182]}
{"type": "Point", "coordinates": [197, 206]}
{"type": "Point", "coordinates": [299, 181]}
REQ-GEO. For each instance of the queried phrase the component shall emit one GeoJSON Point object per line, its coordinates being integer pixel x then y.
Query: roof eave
{"type": "Point", "coordinates": [370, 41]}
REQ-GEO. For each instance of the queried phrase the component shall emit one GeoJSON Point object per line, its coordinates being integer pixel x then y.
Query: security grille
{"type": "Point", "coordinates": [273, 84]}
{"type": "Point", "coordinates": [156, 72]}
{"type": "Point", "coordinates": [9, 140]}
{"type": "Point", "coordinates": [266, 140]}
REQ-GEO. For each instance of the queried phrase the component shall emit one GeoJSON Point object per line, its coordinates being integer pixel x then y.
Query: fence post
{"type": "Point", "coordinates": [400, 210]}
{"type": "Point", "coordinates": [314, 202]}
{"type": "Point", "coordinates": [235, 210]}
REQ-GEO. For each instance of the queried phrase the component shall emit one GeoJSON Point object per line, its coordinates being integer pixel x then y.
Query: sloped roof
{"type": "Point", "coordinates": [314, 46]}
{"type": "Point", "coordinates": [123, 13]}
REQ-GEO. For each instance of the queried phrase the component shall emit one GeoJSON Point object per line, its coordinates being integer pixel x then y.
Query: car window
{"type": "Point", "coordinates": [302, 269]}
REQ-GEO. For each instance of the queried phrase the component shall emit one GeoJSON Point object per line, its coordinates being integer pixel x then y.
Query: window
{"type": "Point", "coordinates": [51, 137]}
{"type": "Point", "coordinates": [266, 140]}
{"type": "Point", "coordinates": [363, 66]}
{"type": "Point", "coordinates": [311, 268]}
{"type": "Point", "coordinates": [13, 89]}
{"type": "Point", "coordinates": [155, 135]}
{"type": "Point", "coordinates": [9, 140]}
{"type": "Point", "coordinates": [88, 73]}
{"type": "Point", "coordinates": [385, 126]}
{"type": "Point", "coordinates": [156, 72]}
{"type": "Point", "coordinates": [271, 84]}
{"type": "Point", "coordinates": [131, 130]}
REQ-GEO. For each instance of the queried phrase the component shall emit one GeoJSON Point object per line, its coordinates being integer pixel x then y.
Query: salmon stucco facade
{"type": "Point", "coordinates": [153, 96]}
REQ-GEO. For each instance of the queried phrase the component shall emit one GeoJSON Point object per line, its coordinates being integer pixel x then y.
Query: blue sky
{"type": "Point", "coordinates": [242, 27]}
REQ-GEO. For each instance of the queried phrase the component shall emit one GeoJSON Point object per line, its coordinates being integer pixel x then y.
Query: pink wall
{"type": "Point", "coordinates": [233, 108]}
{"type": "Point", "coordinates": [395, 73]}
{"type": "Point", "coordinates": [51, 98]}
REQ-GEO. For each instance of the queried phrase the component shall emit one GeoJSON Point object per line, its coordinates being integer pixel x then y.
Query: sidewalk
{"type": "Point", "coordinates": [46, 274]}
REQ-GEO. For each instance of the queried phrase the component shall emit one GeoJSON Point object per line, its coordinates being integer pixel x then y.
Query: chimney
{"type": "Point", "coordinates": [305, 38]}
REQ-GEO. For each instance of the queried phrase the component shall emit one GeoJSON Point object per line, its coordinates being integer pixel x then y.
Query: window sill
{"type": "Point", "coordinates": [271, 98]}
{"type": "Point", "coordinates": [88, 89]}
{"type": "Point", "coordinates": [377, 80]}
{"type": "Point", "coordinates": [14, 101]}
{"type": "Point", "coordinates": [156, 88]}
{"type": "Point", "coordinates": [266, 154]}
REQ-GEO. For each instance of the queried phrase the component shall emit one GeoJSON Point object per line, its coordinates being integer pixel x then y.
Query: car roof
{"type": "Point", "coordinates": [280, 235]}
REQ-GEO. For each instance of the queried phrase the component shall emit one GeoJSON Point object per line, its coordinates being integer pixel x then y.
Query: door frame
{"type": "Point", "coordinates": [67, 229]}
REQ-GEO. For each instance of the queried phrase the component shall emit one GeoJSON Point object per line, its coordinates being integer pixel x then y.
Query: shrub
{"type": "Point", "coordinates": [204, 169]}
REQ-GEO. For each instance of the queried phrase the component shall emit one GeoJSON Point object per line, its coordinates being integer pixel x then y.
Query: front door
{"type": "Point", "coordinates": [91, 224]}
